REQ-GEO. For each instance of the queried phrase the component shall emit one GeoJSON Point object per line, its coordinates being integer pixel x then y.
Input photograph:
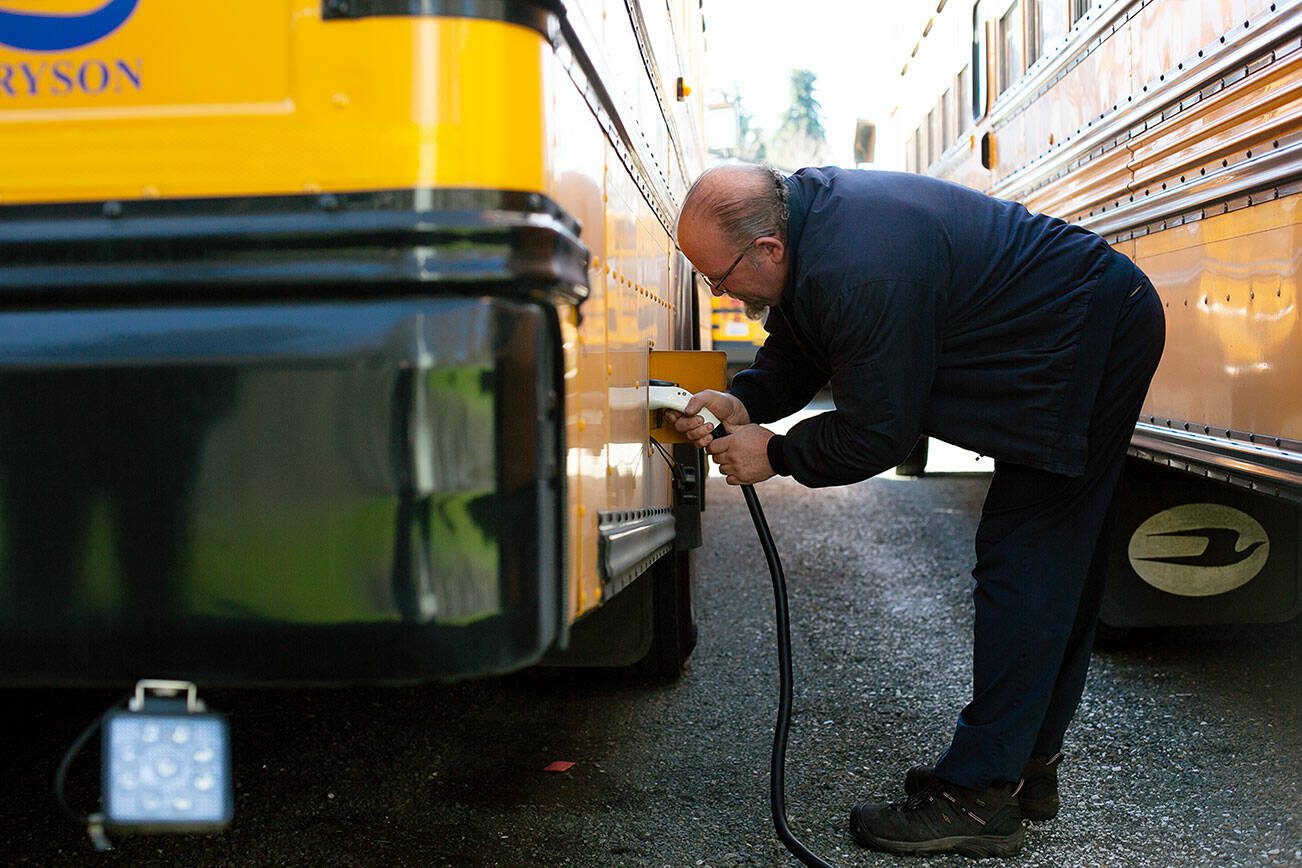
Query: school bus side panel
{"type": "Point", "coordinates": [306, 105]}
{"type": "Point", "coordinates": [626, 193]}
{"type": "Point", "coordinates": [1230, 286]}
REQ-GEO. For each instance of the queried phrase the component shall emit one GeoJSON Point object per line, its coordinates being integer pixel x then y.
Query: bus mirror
{"type": "Point", "coordinates": [865, 141]}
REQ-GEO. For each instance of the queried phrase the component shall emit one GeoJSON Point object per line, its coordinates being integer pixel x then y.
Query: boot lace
{"type": "Point", "coordinates": [921, 798]}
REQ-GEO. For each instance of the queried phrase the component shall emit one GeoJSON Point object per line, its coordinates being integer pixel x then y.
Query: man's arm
{"type": "Point", "coordinates": [882, 340]}
{"type": "Point", "coordinates": [782, 379]}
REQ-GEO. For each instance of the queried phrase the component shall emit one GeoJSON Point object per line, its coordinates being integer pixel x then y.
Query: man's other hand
{"type": "Point", "coordinates": [729, 410]}
{"type": "Point", "coordinates": [743, 456]}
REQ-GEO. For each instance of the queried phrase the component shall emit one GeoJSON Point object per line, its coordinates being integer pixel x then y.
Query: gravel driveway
{"type": "Point", "coordinates": [1187, 749]}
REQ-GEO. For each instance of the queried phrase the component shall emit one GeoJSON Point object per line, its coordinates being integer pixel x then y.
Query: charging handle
{"type": "Point", "coordinates": [673, 397]}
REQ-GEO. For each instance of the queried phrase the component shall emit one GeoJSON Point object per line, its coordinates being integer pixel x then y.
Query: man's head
{"type": "Point", "coordinates": [733, 227]}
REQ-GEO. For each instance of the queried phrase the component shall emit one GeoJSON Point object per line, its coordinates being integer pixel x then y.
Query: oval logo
{"type": "Point", "coordinates": [1199, 549]}
{"type": "Point", "coordinates": [34, 32]}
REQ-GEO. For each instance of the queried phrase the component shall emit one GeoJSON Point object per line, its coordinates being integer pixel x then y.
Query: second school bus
{"type": "Point", "coordinates": [734, 333]}
{"type": "Point", "coordinates": [1173, 128]}
{"type": "Point", "coordinates": [325, 335]}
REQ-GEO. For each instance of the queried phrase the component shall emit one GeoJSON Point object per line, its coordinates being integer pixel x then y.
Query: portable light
{"type": "Point", "coordinates": [166, 762]}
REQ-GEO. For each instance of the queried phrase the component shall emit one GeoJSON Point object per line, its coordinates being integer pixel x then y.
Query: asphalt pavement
{"type": "Point", "coordinates": [1187, 749]}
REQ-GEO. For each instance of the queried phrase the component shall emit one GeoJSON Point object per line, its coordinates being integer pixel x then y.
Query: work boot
{"type": "Point", "coordinates": [943, 818]}
{"type": "Point", "coordinates": [1038, 797]}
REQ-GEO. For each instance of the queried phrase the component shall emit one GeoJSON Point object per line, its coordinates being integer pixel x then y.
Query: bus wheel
{"type": "Point", "coordinates": [673, 618]}
{"type": "Point", "coordinates": [1110, 638]}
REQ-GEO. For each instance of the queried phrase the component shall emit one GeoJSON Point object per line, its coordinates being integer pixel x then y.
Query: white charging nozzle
{"type": "Point", "coordinates": [676, 398]}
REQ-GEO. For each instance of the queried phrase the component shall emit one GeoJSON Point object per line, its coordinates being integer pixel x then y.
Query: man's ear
{"type": "Point", "coordinates": [772, 247]}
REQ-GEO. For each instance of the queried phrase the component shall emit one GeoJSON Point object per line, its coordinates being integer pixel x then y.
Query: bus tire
{"type": "Point", "coordinates": [673, 615]}
{"type": "Point", "coordinates": [916, 462]}
{"type": "Point", "coordinates": [1110, 638]}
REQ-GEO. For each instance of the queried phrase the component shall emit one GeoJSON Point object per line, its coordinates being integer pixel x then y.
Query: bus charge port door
{"type": "Point", "coordinates": [693, 370]}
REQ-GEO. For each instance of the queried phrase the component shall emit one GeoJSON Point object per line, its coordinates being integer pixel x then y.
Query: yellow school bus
{"type": "Point", "coordinates": [734, 333]}
{"type": "Point", "coordinates": [326, 328]}
{"type": "Point", "coordinates": [1173, 128]}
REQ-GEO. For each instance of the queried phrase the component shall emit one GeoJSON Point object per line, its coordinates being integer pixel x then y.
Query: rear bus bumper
{"type": "Point", "coordinates": [298, 457]}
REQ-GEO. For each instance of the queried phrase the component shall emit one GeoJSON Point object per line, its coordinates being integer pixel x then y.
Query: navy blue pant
{"type": "Point", "coordinates": [1042, 551]}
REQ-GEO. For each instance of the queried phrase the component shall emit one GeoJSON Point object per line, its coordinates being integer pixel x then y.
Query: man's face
{"type": "Point", "coordinates": [754, 275]}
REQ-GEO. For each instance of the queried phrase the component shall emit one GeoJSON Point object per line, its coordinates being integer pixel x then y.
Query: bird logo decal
{"type": "Point", "coordinates": [1199, 549]}
{"type": "Point", "coordinates": [30, 31]}
{"type": "Point", "coordinates": [1221, 550]}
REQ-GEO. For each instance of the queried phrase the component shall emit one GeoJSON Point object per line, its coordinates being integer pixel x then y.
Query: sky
{"type": "Point", "coordinates": [854, 47]}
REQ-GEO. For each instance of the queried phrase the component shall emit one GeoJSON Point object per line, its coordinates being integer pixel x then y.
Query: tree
{"type": "Point", "coordinates": [801, 139]}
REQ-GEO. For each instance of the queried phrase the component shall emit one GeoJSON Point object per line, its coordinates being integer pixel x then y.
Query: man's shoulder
{"type": "Point", "coordinates": [865, 226]}
{"type": "Point", "coordinates": [837, 180]}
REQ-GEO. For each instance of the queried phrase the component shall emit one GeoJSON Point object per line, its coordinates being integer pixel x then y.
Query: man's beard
{"type": "Point", "coordinates": [757, 312]}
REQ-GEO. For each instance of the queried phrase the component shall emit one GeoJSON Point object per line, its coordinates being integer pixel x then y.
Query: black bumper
{"type": "Point", "coordinates": [278, 471]}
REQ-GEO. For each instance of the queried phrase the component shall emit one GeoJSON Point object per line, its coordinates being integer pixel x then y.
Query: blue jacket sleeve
{"type": "Point", "coordinates": [782, 379]}
{"type": "Point", "coordinates": [882, 344]}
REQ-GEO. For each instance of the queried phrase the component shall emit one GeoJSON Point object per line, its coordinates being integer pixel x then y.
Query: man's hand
{"type": "Point", "coordinates": [729, 409]}
{"type": "Point", "coordinates": [743, 456]}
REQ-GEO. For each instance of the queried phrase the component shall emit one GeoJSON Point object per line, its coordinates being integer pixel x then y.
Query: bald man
{"type": "Point", "coordinates": [931, 309]}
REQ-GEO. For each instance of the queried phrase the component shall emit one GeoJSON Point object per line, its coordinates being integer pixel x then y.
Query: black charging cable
{"type": "Point", "coordinates": [778, 760]}
{"type": "Point", "coordinates": [94, 823]}
{"type": "Point", "coordinates": [777, 763]}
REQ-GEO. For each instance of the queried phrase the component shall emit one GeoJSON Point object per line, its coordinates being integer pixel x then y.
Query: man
{"type": "Point", "coordinates": [930, 308]}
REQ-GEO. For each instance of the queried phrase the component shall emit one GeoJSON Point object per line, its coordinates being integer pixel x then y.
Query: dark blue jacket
{"type": "Point", "coordinates": [932, 308]}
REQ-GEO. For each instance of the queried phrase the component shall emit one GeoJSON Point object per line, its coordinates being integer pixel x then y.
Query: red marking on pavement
{"type": "Point", "coordinates": [558, 766]}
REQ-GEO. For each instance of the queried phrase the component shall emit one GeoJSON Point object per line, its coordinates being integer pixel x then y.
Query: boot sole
{"type": "Point", "coordinates": [973, 846]}
{"type": "Point", "coordinates": [1038, 810]}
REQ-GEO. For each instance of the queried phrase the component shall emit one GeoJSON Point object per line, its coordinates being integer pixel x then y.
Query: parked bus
{"type": "Point", "coordinates": [1173, 128]}
{"type": "Point", "coordinates": [326, 328]}
{"type": "Point", "coordinates": [734, 333]}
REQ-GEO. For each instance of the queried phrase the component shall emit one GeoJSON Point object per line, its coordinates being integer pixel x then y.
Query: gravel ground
{"type": "Point", "coordinates": [1187, 749]}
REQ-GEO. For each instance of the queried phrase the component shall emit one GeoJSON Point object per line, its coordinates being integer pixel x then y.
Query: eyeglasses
{"type": "Point", "coordinates": [715, 284]}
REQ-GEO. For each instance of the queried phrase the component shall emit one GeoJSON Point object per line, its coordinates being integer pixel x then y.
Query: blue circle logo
{"type": "Point", "coordinates": [31, 32]}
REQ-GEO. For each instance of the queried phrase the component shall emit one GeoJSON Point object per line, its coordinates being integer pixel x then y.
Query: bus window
{"type": "Point", "coordinates": [938, 129]}
{"type": "Point", "coordinates": [979, 87]}
{"type": "Point", "coordinates": [964, 98]}
{"type": "Point", "coordinates": [947, 134]}
{"type": "Point", "coordinates": [1046, 22]}
{"type": "Point", "coordinates": [1010, 47]}
{"type": "Point", "coordinates": [933, 137]}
